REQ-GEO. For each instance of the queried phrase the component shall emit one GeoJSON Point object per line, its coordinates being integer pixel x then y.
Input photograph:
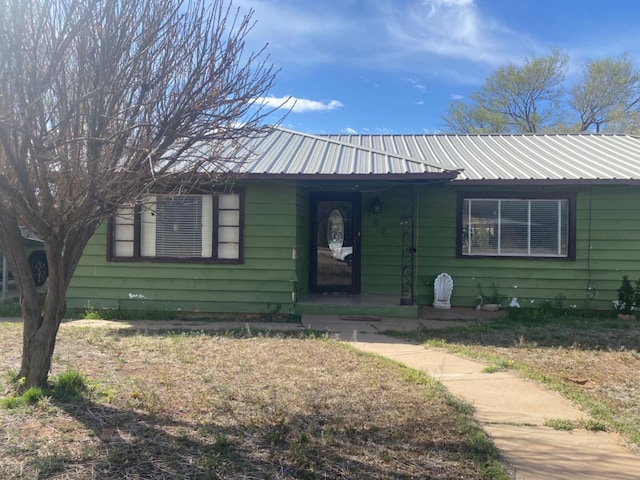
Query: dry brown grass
{"type": "Point", "coordinates": [196, 405]}
{"type": "Point", "coordinates": [593, 361]}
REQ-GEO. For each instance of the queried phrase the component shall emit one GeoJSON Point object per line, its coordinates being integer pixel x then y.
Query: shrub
{"type": "Point", "coordinates": [494, 297]}
{"type": "Point", "coordinates": [628, 297]}
{"type": "Point", "coordinates": [28, 397]}
{"type": "Point", "coordinates": [69, 386]}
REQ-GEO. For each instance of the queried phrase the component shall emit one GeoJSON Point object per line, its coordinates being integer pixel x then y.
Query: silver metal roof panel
{"type": "Point", "coordinates": [516, 157]}
{"type": "Point", "coordinates": [489, 158]}
{"type": "Point", "coordinates": [285, 152]}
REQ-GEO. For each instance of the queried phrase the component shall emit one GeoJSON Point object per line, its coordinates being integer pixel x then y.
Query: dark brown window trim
{"type": "Point", "coordinates": [214, 259]}
{"type": "Point", "coordinates": [570, 196]}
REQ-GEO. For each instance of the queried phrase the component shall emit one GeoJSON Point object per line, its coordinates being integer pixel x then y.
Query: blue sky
{"type": "Point", "coordinates": [392, 66]}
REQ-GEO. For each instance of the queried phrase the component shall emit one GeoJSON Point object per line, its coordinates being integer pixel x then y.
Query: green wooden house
{"type": "Point", "coordinates": [362, 224]}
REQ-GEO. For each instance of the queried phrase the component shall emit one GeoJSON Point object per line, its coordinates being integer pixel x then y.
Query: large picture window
{"type": "Point", "coordinates": [540, 226]}
{"type": "Point", "coordinates": [179, 228]}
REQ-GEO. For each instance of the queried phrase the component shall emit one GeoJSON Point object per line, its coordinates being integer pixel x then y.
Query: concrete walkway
{"type": "Point", "coordinates": [511, 410]}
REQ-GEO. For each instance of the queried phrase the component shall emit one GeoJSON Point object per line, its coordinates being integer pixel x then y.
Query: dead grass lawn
{"type": "Point", "coordinates": [200, 405]}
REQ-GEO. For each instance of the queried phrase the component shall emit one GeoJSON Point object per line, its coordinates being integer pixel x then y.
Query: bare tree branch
{"type": "Point", "coordinates": [102, 101]}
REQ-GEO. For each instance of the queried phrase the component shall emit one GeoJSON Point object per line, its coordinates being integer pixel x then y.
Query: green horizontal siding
{"type": "Point", "coordinates": [302, 242]}
{"type": "Point", "coordinates": [270, 242]}
{"type": "Point", "coordinates": [276, 256]}
{"type": "Point", "coordinates": [266, 231]}
{"type": "Point", "coordinates": [381, 240]}
{"type": "Point", "coordinates": [607, 247]}
{"type": "Point", "coordinates": [224, 273]}
{"type": "Point", "coordinates": [168, 295]}
{"type": "Point", "coordinates": [263, 283]}
{"type": "Point", "coordinates": [190, 288]}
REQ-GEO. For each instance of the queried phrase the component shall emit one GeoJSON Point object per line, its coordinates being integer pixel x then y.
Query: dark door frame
{"type": "Point", "coordinates": [314, 198]}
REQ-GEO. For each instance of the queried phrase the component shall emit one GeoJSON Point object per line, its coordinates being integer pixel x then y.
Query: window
{"type": "Point", "coordinates": [537, 226]}
{"type": "Point", "coordinates": [179, 227]}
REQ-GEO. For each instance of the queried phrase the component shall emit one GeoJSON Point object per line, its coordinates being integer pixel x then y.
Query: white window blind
{"type": "Point", "coordinates": [515, 227]}
{"type": "Point", "coordinates": [178, 226]}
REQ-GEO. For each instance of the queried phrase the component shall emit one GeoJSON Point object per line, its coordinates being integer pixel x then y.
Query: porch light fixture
{"type": "Point", "coordinates": [377, 208]}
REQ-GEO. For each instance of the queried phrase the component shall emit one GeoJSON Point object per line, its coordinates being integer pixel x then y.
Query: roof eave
{"type": "Point", "coordinates": [549, 181]}
{"type": "Point", "coordinates": [449, 175]}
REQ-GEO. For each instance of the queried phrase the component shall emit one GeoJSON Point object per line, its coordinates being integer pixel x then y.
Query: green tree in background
{"type": "Point", "coordinates": [533, 98]}
{"type": "Point", "coordinates": [607, 95]}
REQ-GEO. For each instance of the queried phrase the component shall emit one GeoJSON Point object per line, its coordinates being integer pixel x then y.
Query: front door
{"type": "Point", "coordinates": [335, 242]}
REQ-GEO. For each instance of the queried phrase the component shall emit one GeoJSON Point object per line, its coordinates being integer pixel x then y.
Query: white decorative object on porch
{"type": "Point", "coordinates": [442, 289]}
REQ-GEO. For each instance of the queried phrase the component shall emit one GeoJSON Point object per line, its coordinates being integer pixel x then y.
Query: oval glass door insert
{"type": "Point", "coordinates": [335, 230]}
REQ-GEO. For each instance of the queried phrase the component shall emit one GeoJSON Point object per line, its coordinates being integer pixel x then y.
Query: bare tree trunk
{"type": "Point", "coordinates": [39, 339]}
{"type": "Point", "coordinates": [42, 319]}
{"type": "Point", "coordinates": [40, 329]}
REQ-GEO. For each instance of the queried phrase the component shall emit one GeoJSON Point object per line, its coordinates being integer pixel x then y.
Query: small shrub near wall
{"type": "Point", "coordinates": [628, 299]}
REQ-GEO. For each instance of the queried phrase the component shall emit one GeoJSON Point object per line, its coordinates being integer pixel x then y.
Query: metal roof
{"type": "Point", "coordinates": [487, 158]}
{"type": "Point", "coordinates": [540, 157]}
{"type": "Point", "coordinates": [285, 152]}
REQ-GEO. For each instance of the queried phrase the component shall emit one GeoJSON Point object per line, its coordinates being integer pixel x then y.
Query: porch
{"type": "Point", "coordinates": [351, 304]}
{"type": "Point", "coordinates": [380, 306]}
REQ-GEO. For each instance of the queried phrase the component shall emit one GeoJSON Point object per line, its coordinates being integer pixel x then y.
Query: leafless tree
{"type": "Point", "coordinates": [102, 101]}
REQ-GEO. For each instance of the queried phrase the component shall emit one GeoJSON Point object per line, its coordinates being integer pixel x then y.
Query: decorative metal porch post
{"type": "Point", "coordinates": [408, 251]}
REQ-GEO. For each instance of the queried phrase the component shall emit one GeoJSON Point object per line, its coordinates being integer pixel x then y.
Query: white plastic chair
{"type": "Point", "coordinates": [442, 290]}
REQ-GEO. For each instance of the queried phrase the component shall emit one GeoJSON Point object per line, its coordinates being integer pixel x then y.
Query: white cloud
{"type": "Point", "coordinates": [349, 131]}
{"type": "Point", "coordinates": [456, 30]}
{"type": "Point", "coordinates": [377, 131]}
{"type": "Point", "coordinates": [448, 2]}
{"type": "Point", "coordinates": [442, 38]}
{"type": "Point", "coordinates": [299, 105]}
{"type": "Point", "coordinates": [420, 102]}
{"type": "Point", "coordinates": [296, 32]}
{"type": "Point", "coordinates": [456, 96]}
{"type": "Point", "coordinates": [417, 85]}
{"type": "Point", "coordinates": [370, 82]}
